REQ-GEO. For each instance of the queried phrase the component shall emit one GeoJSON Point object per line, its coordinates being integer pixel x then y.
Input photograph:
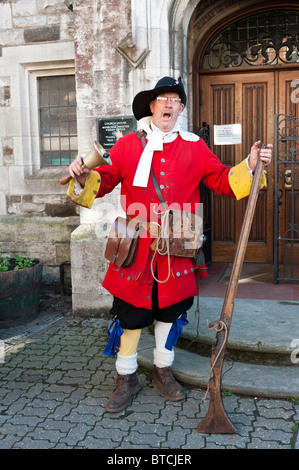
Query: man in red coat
{"type": "Point", "coordinates": [156, 289]}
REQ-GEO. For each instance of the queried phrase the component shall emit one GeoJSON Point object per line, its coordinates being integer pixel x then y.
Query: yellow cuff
{"type": "Point", "coordinates": [240, 180]}
{"type": "Point", "coordinates": [88, 194]}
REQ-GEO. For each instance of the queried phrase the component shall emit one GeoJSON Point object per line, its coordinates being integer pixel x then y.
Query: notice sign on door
{"type": "Point", "coordinates": [228, 134]}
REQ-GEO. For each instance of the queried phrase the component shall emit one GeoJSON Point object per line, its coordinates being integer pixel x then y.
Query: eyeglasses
{"type": "Point", "coordinates": [172, 99]}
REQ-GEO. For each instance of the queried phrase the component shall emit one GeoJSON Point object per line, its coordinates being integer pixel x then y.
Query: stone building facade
{"type": "Point", "coordinates": [113, 49]}
{"type": "Point", "coordinates": [37, 40]}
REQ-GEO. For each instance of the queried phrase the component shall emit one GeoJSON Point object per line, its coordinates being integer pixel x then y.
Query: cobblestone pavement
{"type": "Point", "coordinates": [55, 386]}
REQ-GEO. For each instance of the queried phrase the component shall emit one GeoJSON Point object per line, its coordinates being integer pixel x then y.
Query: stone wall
{"type": "Point", "coordinates": [36, 218]}
{"type": "Point", "coordinates": [39, 237]}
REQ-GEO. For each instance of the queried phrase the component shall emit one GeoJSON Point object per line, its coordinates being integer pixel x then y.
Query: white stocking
{"type": "Point", "coordinates": [162, 356]}
{"type": "Point", "coordinates": [126, 364]}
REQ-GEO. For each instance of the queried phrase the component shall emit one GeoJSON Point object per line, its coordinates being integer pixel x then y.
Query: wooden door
{"type": "Point", "coordinates": [247, 99]}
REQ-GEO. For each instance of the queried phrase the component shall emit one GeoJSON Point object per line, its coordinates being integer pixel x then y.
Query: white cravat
{"type": "Point", "coordinates": [155, 143]}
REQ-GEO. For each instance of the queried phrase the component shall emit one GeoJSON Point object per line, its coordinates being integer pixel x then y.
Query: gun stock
{"type": "Point", "coordinates": [216, 420]}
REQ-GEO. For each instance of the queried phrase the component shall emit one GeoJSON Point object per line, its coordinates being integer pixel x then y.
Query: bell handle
{"type": "Point", "coordinates": [65, 179]}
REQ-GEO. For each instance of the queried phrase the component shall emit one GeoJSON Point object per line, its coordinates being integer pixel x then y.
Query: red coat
{"type": "Point", "coordinates": [179, 168]}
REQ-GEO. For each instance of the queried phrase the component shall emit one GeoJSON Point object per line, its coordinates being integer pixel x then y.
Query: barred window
{"type": "Point", "coordinates": [58, 120]}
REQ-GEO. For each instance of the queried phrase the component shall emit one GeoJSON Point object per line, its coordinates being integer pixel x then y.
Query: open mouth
{"type": "Point", "coordinates": [166, 115]}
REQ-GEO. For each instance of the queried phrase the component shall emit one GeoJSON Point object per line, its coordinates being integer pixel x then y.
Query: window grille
{"type": "Point", "coordinates": [58, 121]}
{"type": "Point", "coordinates": [268, 38]}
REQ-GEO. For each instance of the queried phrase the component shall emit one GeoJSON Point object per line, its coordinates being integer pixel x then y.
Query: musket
{"type": "Point", "coordinates": [216, 420]}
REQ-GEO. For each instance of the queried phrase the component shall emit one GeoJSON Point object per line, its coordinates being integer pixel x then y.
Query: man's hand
{"type": "Point", "coordinates": [76, 170]}
{"type": "Point", "coordinates": [266, 155]}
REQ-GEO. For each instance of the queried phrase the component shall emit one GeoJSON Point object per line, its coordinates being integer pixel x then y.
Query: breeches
{"type": "Point", "coordinates": [133, 318]}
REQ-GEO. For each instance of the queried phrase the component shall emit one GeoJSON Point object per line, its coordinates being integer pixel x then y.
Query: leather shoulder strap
{"type": "Point", "coordinates": [141, 134]}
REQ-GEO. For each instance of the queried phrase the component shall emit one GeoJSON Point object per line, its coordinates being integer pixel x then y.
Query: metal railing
{"type": "Point", "coordinates": [286, 197]}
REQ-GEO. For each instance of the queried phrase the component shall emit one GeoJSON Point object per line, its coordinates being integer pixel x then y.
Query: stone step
{"type": "Point", "coordinates": [245, 379]}
{"type": "Point", "coordinates": [263, 326]}
{"type": "Point", "coordinates": [258, 326]}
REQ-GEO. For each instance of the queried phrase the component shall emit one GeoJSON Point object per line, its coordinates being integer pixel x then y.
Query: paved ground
{"type": "Point", "coordinates": [56, 382]}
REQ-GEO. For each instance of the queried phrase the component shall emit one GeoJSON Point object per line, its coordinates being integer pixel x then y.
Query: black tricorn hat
{"type": "Point", "coordinates": [143, 99]}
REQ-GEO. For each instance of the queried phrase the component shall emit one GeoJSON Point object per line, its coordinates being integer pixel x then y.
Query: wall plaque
{"type": "Point", "coordinates": [110, 129]}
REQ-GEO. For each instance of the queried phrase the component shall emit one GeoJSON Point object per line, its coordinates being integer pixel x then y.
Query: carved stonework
{"type": "Point", "coordinates": [209, 9]}
{"type": "Point", "coordinates": [132, 53]}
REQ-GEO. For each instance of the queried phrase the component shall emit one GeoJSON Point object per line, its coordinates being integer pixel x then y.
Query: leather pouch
{"type": "Point", "coordinates": [123, 242]}
{"type": "Point", "coordinates": [185, 234]}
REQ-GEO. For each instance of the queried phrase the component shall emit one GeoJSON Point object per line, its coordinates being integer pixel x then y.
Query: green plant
{"type": "Point", "coordinates": [227, 394]}
{"type": "Point", "coordinates": [22, 262]}
{"type": "Point", "coordinates": [15, 263]}
{"type": "Point", "coordinates": [4, 264]}
{"type": "Point", "coordinates": [294, 431]}
{"type": "Point", "coordinates": [294, 400]}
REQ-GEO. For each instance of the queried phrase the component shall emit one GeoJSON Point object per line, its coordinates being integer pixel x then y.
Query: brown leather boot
{"type": "Point", "coordinates": [166, 383]}
{"type": "Point", "coordinates": [126, 387]}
